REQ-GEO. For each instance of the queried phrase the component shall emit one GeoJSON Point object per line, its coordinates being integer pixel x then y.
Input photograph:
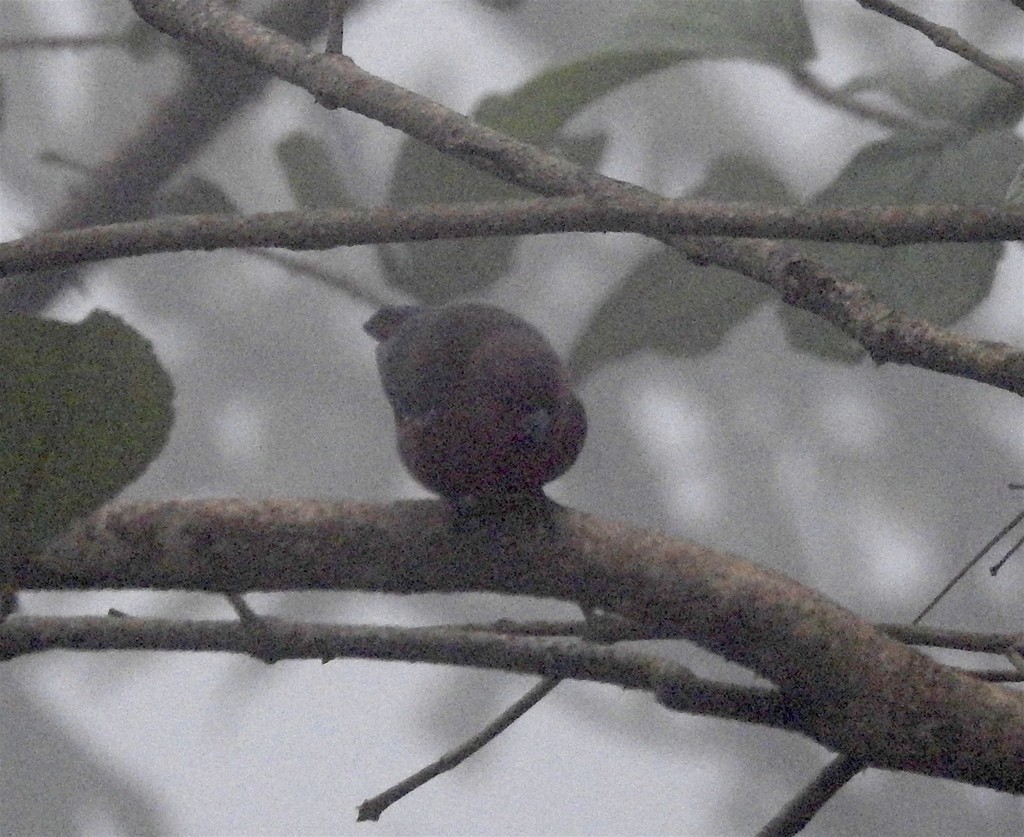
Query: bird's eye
{"type": "Point", "coordinates": [536, 425]}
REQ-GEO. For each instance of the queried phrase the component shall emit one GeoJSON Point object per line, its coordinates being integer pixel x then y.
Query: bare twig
{"type": "Point", "coordinates": [50, 42]}
{"type": "Point", "coordinates": [802, 808]}
{"type": "Point", "coordinates": [844, 101]}
{"type": "Point", "coordinates": [601, 630]}
{"type": "Point", "coordinates": [372, 808]}
{"type": "Point", "coordinates": [336, 27]}
{"type": "Point", "coordinates": [949, 39]}
{"type": "Point", "coordinates": [309, 229]}
{"type": "Point", "coordinates": [552, 659]}
{"type": "Point", "coordinates": [353, 289]}
{"type": "Point", "coordinates": [995, 568]}
{"type": "Point", "coordinates": [969, 565]}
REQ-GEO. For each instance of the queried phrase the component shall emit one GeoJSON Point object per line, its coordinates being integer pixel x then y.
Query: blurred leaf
{"type": "Point", "coordinates": [936, 282]}
{"type": "Point", "coordinates": [774, 32]}
{"type": "Point", "coordinates": [671, 305]}
{"type": "Point", "coordinates": [84, 408]}
{"type": "Point", "coordinates": [1015, 191]}
{"type": "Point", "coordinates": [657, 36]}
{"type": "Point", "coordinates": [142, 41]}
{"type": "Point", "coordinates": [194, 195]}
{"type": "Point", "coordinates": [435, 272]}
{"type": "Point", "coordinates": [538, 109]}
{"type": "Point", "coordinates": [968, 96]}
{"type": "Point", "coordinates": [310, 171]}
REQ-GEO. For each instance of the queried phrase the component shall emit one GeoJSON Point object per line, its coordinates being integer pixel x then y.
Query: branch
{"type": "Point", "coordinates": [211, 93]}
{"type": "Point", "coordinates": [844, 683]}
{"type": "Point", "coordinates": [889, 335]}
{"type": "Point", "coordinates": [335, 81]}
{"type": "Point", "coordinates": [948, 39]}
{"type": "Point", "coordinates": [884, 226]}
{"type": "Point", "coordinates": [670, 683]}
{"type": "Point", "coordinates": [843, 100]}
{"type": "Point", "coordinates": [372, 808]}
{"type": "Point", "coordinates": [801, 810]}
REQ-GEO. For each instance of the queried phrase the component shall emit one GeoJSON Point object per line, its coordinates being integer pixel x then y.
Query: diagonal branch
{"type": "Point", "coordinates": [211, 92]}
{"type": "Point", "coordinates": [335, 81]}
{"type": "Point", "coordinates": [946, 38]}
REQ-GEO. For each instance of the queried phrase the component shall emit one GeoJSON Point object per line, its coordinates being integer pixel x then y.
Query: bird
{"type": "Point", "coordinates": [483, 406]}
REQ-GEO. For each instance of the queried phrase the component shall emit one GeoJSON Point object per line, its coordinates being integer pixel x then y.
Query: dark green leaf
{"type": "Point", "coordinates": [936, 282]}
{"type": "Point", "coordinates": [671, 305]}
{"type": "Point", "coordinates": [310, 171]}
{"type": "Point", "coordinates": [968, 96]}
{"type": "Point", "coordinates": [774, 32]}
{"type": "Point", "coordinates": [194, 195]}
{"type": "Point", "coordinates": [438, 271]}
{"type": "Point", "coordinates": [84, 408]}
{"type": "Point", "coordinates": [537, 110]}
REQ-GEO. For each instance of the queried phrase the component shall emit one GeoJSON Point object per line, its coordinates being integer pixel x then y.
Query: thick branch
{"type": "Point", "coordinates": [323, 229]}
{"type": "Point", "coordinates": [852, 688]}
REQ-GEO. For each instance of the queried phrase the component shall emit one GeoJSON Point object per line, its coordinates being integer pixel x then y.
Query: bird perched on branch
{"type": "Point", "coordinates": [483, 405]}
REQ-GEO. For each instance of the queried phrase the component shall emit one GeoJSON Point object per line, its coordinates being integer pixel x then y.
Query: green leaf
{"type": "Point", "coordinates": [84, 408]}
{"type": "Point", "coordinates": [669, 304]}
{"type": "Point", "coordinates": [194, 195]}
{"type": "Point", "coordinates": [312, 176]}
{"type": "Point", "coordinates": [968, 96]}
{"type": "Point", "coordinates": [774, 32]}
{"type": "Point", "coordinates": [536, 111]}
{"type": "Point", "coordinates": [936, 282]}
{"type": "Point", "coordinates": [657, 36]}
{"type": "Point", "coordinates": [436, 272]}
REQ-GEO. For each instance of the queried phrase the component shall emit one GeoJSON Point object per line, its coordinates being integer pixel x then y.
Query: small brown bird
{"type": "Point", "coordinates": [482, 404]}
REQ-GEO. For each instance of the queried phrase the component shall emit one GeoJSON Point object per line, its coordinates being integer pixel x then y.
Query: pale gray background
{"type": "Point", "coordinates": [871, 484]}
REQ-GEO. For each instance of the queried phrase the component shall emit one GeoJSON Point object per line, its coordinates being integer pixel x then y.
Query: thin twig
{"type": "Point", "coordinates": [241, 607]}
{"type": "Point", "coordinates": [49, 42]}
{"type": "Point", "coordinates": [320, 229]}
{"type": "Point", "coordinates": [354, 290]}
{"type": "Point", "coordinates": [844, 101]}
{"type": "Point", "coordinates": [968, 566]}
{"type": "Point", "coordinates": [372, 808]}
{"type": "Point", "coordinates": [995, 568]}
{"type": "Point", "coordinates": [802, 808]}
{"type": "Point", "coordinates": [948, 39]}
{"type": "Point", "coordinates": [336, 27]}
